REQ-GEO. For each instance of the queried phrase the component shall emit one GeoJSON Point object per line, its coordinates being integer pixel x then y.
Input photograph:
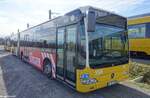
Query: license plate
{"type": "Point", "coordinates": [112, 83]}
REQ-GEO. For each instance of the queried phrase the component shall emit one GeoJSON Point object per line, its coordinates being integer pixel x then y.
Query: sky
{"type": "Point", "coordinates": [15, 14]}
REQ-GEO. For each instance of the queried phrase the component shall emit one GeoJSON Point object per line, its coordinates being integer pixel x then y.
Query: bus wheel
{"type": "Point", "coordinates": [47, 69]}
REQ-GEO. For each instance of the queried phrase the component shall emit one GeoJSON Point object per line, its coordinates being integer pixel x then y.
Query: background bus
{"type": "Point", "coordinates": [14, 39]}
{"type": "Point", "coordinates": [11, 44]}
{"type": "Point", "coordinates": [139, 35]}
{"type": "Point", "coordinates": [86, 48]}
{"type": "Point", "coordinates": [7, 45]}
{"type": "Point", "coordinates": [2, 42]}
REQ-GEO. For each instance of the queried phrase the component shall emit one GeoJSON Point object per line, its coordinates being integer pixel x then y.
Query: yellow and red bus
{"type": "Point", "coordinates": [86, 48]}
{"type": "Point", "coordinates": [139, 35]}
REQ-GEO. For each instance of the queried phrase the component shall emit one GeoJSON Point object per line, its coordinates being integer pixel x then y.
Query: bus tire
{"type": "Point", "coordinates": [47, 68]}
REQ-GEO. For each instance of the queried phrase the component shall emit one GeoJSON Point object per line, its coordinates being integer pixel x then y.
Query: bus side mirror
{"type": "Point", "coordinates": [91, 21]}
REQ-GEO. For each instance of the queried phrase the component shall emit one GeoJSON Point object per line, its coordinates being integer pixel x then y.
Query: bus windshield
{"type": "Point", "coordinates": [107, 46]}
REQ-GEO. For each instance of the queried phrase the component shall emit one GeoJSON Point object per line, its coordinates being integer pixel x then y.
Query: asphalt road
{"type": "Point", "coordinates": [21, 80]}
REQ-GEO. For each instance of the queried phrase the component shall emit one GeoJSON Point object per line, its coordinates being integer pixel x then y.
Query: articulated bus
{"type": "Point", "coordinates": [86, 48]}
{"type": "Point", "coordinates": [139, 35]}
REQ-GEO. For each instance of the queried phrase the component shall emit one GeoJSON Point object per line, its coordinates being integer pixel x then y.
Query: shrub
{"type": "Point", "coordinates": [146, 77]}
{"type": "Point", "coordinates": [137, 69]}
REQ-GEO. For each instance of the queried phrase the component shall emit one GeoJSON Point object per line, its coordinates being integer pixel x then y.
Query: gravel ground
{"type": "Point", "coordinates": [21, 80]}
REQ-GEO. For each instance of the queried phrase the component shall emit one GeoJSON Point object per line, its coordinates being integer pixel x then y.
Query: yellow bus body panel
{"type": "Point", "coordinates": [140, 45]}
{"type": "Point", "coordinates": [102, 76]}
{"type": "Point", "coordinates": [139, 20]}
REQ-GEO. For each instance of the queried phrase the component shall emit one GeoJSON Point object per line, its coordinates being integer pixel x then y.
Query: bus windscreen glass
{"type": "Point", "coordinates": [107, 46]}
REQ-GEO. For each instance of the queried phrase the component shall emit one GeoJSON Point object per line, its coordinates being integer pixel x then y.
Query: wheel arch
{"type": "Point", "coordinates": [45, 61]}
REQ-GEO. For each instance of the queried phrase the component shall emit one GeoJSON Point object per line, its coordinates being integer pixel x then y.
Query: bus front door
{"type": "Point", "coordinates": [70, 72]}
{"type": "Point", "coordinates": [60, 53]}
{"type": "Point", "coordinates": [66, 51]}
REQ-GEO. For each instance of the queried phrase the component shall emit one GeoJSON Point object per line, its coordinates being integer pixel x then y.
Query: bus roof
{"type": "Point", "coordinates": [82, 9]}
{"type": "Point", "coordinates": [101, 10]}
{"type": "Point", "coordinates": [139, 19]}
{"type": "Point", "coordinates": [139, 16]}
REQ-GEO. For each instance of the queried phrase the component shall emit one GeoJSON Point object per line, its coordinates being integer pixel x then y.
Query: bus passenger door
{"type": "Point", "coordinates": [70, 51]}
{"type": "Point", "coordinates": [26, 51]}
{"type": "Point", "coordinates": [66, 51]}
{"type": "Point", "coordinates": [60, 53]}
